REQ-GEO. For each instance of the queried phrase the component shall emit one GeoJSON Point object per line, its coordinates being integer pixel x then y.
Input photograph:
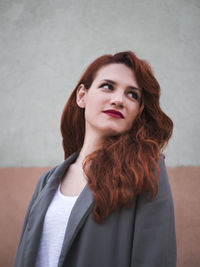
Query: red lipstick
{"type": "Point", "coordinates": [114, 113]}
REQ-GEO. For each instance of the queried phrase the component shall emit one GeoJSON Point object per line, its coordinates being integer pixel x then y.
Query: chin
{"type": "Point", "coordinates": [113, 132]}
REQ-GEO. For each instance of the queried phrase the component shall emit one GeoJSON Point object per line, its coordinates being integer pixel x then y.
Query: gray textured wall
{"type": "Point", "coordinates": [46, 44]}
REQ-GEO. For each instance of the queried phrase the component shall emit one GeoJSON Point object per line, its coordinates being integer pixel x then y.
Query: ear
{"type": "Point", "coordinates": [80, 96]}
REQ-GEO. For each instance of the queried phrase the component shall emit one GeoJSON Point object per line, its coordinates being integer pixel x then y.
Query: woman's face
{"type": "Point", "coordinates": [112, 102]}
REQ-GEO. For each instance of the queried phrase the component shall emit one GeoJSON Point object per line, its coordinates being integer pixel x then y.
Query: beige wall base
{"type": "Point", "coordinates": [17, 185]}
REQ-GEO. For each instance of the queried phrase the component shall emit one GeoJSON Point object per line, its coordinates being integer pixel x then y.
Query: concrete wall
{"type": "Point", "coordinates": [45, 46]}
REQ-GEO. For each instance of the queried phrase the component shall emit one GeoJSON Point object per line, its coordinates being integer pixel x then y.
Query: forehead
{"type": "Point", "coordinates": [117, 72]}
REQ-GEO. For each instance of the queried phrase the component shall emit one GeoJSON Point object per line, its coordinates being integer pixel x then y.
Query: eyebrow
{"type": "Point", "coordinates": [130, 86]}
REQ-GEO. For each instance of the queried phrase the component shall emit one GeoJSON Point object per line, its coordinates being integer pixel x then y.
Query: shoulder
{"type": "Point", "coordinates": [162, 168]}
{"type": "Point", "coordinates": [43, 179]}
{"type": "Point", "coordinates": [164, 188]}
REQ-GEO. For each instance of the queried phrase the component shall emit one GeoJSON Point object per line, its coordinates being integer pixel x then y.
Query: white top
{"type": "Point", "coordinates": [54, 227]}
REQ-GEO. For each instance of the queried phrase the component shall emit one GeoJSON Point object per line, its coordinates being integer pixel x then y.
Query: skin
{"type": "Point", "coordinates": [121, 93]}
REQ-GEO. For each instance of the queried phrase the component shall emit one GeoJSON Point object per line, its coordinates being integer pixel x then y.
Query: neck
{"type": "Point", "coordinates": [91, 143]}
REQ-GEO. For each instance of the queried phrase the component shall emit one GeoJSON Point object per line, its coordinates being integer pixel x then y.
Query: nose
{"type": "Point", "coordinates": [117, 100]}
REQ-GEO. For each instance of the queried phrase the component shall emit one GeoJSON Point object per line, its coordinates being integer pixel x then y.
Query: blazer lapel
{"type": "Point", "coordinates": [79, 213]}
{"type": "Point", "coordinates": [39, 208]}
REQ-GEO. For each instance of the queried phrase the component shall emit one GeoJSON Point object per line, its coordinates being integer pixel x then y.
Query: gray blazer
{"type": "Point", "coordinates": [140, 236]}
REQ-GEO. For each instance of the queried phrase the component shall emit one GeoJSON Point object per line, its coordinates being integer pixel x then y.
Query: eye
{"type": "Point", "coordinates": [107, 86]}
{"type": "Point", "coordinates": [133, 94]}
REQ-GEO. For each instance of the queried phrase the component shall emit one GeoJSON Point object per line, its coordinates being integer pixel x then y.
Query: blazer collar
{"type": "Point", "coordinates": [79, 213]}
{"type": "Point", "coordinates": [82, 208]}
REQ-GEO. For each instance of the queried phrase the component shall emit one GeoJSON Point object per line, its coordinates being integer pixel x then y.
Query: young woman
{"type": "Point", "coordinates": [109, 204]}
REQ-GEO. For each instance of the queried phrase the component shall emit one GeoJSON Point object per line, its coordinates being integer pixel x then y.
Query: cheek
{"type": "Point", "coordinates": [95, 102]}
{"type": "Point", "coordinates": [92, 110]}
{"type": "Point", "coordinates": [134, 112]}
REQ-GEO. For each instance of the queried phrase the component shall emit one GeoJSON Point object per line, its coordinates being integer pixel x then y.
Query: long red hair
{"type": "Point", "coordinates": [125, 165]}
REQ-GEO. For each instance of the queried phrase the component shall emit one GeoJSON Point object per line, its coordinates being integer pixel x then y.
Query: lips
{"type": "Point", "coordinates": [114, 113]}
